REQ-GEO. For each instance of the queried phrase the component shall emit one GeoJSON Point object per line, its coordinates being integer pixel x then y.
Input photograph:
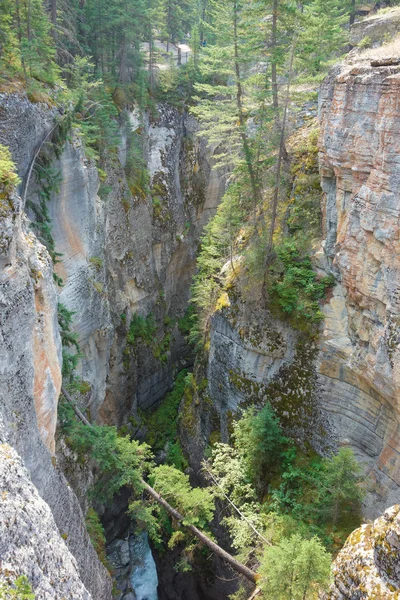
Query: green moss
{"type": "Point", "coordinates": [294, 287]}
{"type": "Point", "coordinates": [96, 262]}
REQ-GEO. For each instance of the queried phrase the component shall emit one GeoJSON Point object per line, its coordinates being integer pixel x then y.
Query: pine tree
{"type": "Point", "coordinates": [321, 35]}
{"type": "Point", "coordinates": [341, 492]}
{"type": "Point", "coordinates": [36, 43]}
{"type": "Point", "coordinates": [295, 569]}
{"type": "Point", "coordinates": [260, 441]}
{"type": "Point", "coordinates": [10, 61]}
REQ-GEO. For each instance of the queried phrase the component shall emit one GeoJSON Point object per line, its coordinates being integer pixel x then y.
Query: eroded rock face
{"type": "Point", "coordinates": [360, 354]}
{"type": "Point", "coordinates": [368, 565]}
{"type": "Point", "coordinates": [30, 380]}
{"type": "Point", "coordinates": [30, 542]}
{"type": "Point", "coordinates": [127, 254]}
{"type": "Point", "coordinates": [349, 384]}
{"type": "Point", "coordinates": [122, 254]}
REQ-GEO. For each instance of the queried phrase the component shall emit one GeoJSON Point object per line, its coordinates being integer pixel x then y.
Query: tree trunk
{"type": "Point", "coordinates": [239, 567]}
{"type": "Point", "coordinates": [352, 12]}
{"type": "Point", "coordinates": [19, 33]}
{"type": "Point", "coordinates": [281, 155]}
{"type": "Point", "coordinates": [239, 103]}
{"type": "Point", "coordinates": [274, 78]}
{"type": "Point", "coordinates": [53, 13]}
{"type": "Point", "coordinates": [151, 58]}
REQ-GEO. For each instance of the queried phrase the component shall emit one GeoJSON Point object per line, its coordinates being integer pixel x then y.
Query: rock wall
{"type": "Point", "coordinates": [126, 254]}
{"type": "Point", "coordinates": [360, 354]}
{"type": "Point", "coordinates": [122, 254]}
{"type": "Point", "coordinates": [344, 388]}
{"type": "Point", "coordinates": [30, 379]}
{"type": "Point", "coordinates": [30, 543]}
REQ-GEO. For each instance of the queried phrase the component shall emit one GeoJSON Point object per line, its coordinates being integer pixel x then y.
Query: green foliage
{"type": "Point", "coordinates": [141, 328]}
{"type": "Point", "coordinates": [49, 181]}
{"type": "Point", "coordinates": [144, 330]}
{"type": "Point", "coordinates": [20, 589]}
{"type": "Point", "coordinates": [145, 520]}
{"type": "Point", "coordinates": [8, 178]}
{"type": "Point", "coordinates": [27, 47]}
{"type": "Point", "coordinates": [10, 60]}
{"type": "Point", "coordinates": [136, 169]}
{"type": "Point", "coordinates": [96, 533]}
{"type": "Point", "coordinates": [322, 34]}
{"type": "Point", "coordinates": [196, 504]}
{"type": "Point", "coordinates": [122, 461]}
{"type": "Point", "coordinates": [68, 339]}
{"type": "Point", "coordinates": [217, 247]}
{"type": "Point", "coordinates": [259, 439]}
{"type": "Point", "coordinates": [294, 286]}
{"type": "Point", "coordinates": [342, 492]}
{"type": "Point", "coordinates": [295, 569]}
{"type": "Point", "coordinates": [306, 494]}
{"type": "Point", "coordinates": [325, 493]}
{"type": "Point", "coordinates": [162, 424]}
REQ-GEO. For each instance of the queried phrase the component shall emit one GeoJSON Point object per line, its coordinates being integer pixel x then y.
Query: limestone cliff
{"type": "Point", "coordinates": [342, 387]}
{"type": "Point", "coordinates": [30, 380]}
{"type": "Point", "coordinates": [30, 542]}
{"type": "Point", "coordinates": [359, 363]}
{"type": "Point", "coordinates": [123, 254]}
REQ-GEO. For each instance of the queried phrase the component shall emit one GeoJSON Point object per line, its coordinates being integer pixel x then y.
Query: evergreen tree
{"type": "Point", "coordinates": [295, 569]}
{"type": "Point", "coordinates": [260, 441]}
{"type": "Point", "coordinates": [10, 61]}
{"type": "Point", "coordinates": [322, 34]}
{"type": "Point", "coordinates": [341, 491]}
{"type": "Point", "coordinates": [36, 43]}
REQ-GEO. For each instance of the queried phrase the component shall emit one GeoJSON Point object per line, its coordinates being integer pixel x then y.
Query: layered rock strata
{"type": "Point", "coordinates": [359, 362]}
{"type": "Point", "coordinates": [345, 385]}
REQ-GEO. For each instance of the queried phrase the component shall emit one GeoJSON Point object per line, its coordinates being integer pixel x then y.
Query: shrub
{"type": "Point", "coordinates": [8, 178]}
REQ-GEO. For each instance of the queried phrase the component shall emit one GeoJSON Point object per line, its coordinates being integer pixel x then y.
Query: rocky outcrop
{"type": "Point", "coordinates": [127, 253]}
{"type": "Point", "coordinates": [30, 542]}
{"type": "Point", "coordinates": [360, 353]}
{"type": "Point", "coordinates": [376, 29]}
{"type": "Point", "coordinates": [30, 379]}
{"type": "Point", "coordinates": [368, 565]}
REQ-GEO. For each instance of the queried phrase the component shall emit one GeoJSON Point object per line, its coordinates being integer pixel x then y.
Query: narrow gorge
{"type": "Point", "coordinates": [199, 296]}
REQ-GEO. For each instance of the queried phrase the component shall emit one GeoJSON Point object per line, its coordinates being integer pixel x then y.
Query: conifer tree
{"type": "Point", "coordinates": [295, 569]}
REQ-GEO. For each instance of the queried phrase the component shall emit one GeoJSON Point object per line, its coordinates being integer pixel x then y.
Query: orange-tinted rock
{"type": "Point", "coordinates": [360, 353]}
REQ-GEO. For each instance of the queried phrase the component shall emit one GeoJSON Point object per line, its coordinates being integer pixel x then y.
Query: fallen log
{"type": "Point", "coordinates": [236, 565]}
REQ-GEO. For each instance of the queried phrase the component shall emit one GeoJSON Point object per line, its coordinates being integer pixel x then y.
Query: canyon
{"type": "Point", "coordinates": [123, 254]}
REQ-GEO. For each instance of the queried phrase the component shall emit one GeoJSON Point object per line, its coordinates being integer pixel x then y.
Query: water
{"type": "Point", "coordinates": [144, 578]}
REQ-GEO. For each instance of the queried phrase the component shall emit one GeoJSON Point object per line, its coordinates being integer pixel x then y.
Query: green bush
{"type": "Point", "coordinates": [162, 424]}
{"type": "Point", "coordinates": [8, 177]}
{"type": "Point", "coordinates": [141, 328]}
{"type": "Point", "coordinates": [68, 340]}
{"type": "Point", "coordinates": [294, 287]}
{"type": "Point", "coordinates": [96, 533]}
{"type": "Point", "coordinates": [19, 590]}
